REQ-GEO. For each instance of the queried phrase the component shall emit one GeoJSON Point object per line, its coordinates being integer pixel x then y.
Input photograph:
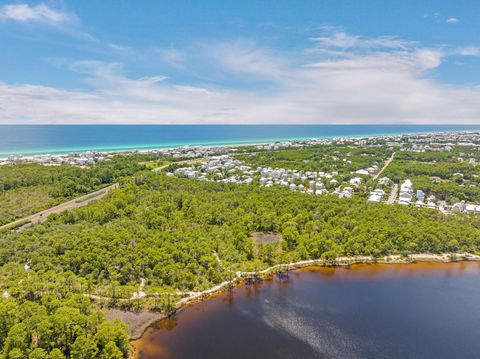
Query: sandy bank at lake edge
{"type": "Point", "coordinates": [138, 322]}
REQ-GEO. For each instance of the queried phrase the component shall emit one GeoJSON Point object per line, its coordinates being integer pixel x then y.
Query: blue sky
{"type": "Point", "coordinates": [240, 61]}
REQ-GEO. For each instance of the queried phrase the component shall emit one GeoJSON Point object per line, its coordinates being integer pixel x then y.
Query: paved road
{"type": "Point", "coordinates": [66, 206]}
{"type": "Point", "coordinates": [384, 167]}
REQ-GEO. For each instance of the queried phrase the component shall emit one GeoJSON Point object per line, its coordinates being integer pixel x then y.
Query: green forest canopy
{"type": "Point", "coordinates": [169, 231]}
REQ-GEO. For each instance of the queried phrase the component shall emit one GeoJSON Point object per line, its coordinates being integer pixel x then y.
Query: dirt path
{"type": "Point", "coordinates": [422, 257]}
{"type": "Point", "coordinates": [42, 216]}
{"type": "Point", "coordinates": [384, 167]}
{"type": "Point", "coordinates": [139, 321]}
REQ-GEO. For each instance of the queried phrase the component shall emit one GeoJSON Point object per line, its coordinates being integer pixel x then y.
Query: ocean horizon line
{"type": "Point", "coordinates": [55, 139]}
{"type": "Point", "coordinates": [236, 124]}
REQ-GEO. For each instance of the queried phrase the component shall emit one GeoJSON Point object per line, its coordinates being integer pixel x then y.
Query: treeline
{"type": "Point", "coordinates": [46, 316]}
{"type": "Point", "coordinates": [182, 235]}
{"type": "Point", "coordinates": [324, 158]}
{"type": "Point", "coordinates": [444, 170]}
{"type": "Point", "coordinates": [168, 230]}
{"type": "Point", "coordinates": [440, 156]}
{"type": "Point", "coordinates": [67, 180]}
{"type": "Point", "coordinates": [27, 188]}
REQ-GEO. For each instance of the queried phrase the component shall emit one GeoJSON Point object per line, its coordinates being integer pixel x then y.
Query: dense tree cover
{"type": "Point", "coordinates": [456, 154]}
{"type": "Point", "coordinates": [168, 230]}
{"type": "Point", "coordinates": [183, 235]}
{"type": "Point", "coordinates": [343, 159]}
{"type": "Point", "coordinates": [27, 188]}
{"type": "Point", "coordinates": [444, 170]}
{"type": "Point", "coordinates": [47, 316]}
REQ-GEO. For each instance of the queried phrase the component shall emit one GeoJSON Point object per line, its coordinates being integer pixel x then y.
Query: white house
{"type": "Point", "coordinates": [356, 181]}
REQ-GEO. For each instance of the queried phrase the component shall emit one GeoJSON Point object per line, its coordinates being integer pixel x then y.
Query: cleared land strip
{"type": "Point", "coordinates": [384, 167]}
{"type": "Point", "coordinates": [42, 216]}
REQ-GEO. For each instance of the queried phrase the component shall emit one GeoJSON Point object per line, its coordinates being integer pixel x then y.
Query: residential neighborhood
{"type": "Point", "coordinates": [221, 164]}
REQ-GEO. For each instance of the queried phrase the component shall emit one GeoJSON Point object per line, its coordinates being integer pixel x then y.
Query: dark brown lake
{"type": "Point", "coordinates": [427, 310]}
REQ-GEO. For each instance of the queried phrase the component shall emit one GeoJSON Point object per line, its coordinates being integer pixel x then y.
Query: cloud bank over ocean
{"type": "Point", "coordinates": [332, 77]}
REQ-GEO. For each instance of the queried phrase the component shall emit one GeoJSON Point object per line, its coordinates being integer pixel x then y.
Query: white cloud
{"type": "Point", "coordinates": [119, 48]}
{"type": "Point", "coordinates": [416, 61]}
{"type": "Point", "coordinates": [453, 20]}
{"type": "Point", "coordinates": [152, 79]}
{"type": "Point", "coordinates": [40, 13]}
{"type": "Point", "coordinates": [173, 57]}
{"type": "Point", "coordinates": [344, 40]}
{"type": "Point", "coordinates": [468, 51]}
{"type": "Point", "coordinates": [245, 60]}
{"type": "Point", "coordinates": [340, 78]}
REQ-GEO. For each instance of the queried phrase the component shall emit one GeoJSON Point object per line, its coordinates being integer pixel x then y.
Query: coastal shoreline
{"type": "Point", "coordinates": [195, 297]}
{"type": "Point", "coordinates": [128, 149]}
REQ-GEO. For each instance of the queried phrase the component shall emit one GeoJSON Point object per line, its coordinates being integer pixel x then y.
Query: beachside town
{"type": "Point", "coordinates": [225, 169]}
{"type": "Point", "coordinates": [91, 157]}
{"type": "Point", "coordinates": [365, 182]}
{"type": "Point", "coordinates": [437, 141]}
{"type": "Point", "coordinates": [222, 164]}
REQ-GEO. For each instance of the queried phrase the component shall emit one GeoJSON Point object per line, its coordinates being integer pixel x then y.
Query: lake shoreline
{"type": "Point", "coordinates": [144, 319]}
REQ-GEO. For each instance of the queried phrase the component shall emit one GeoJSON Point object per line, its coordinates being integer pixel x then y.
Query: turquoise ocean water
{"type": "Point", "coordinates": [56, 139]}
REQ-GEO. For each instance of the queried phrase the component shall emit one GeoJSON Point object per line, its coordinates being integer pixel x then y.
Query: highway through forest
{"type": "Point", "coordinates": [42, 216]}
